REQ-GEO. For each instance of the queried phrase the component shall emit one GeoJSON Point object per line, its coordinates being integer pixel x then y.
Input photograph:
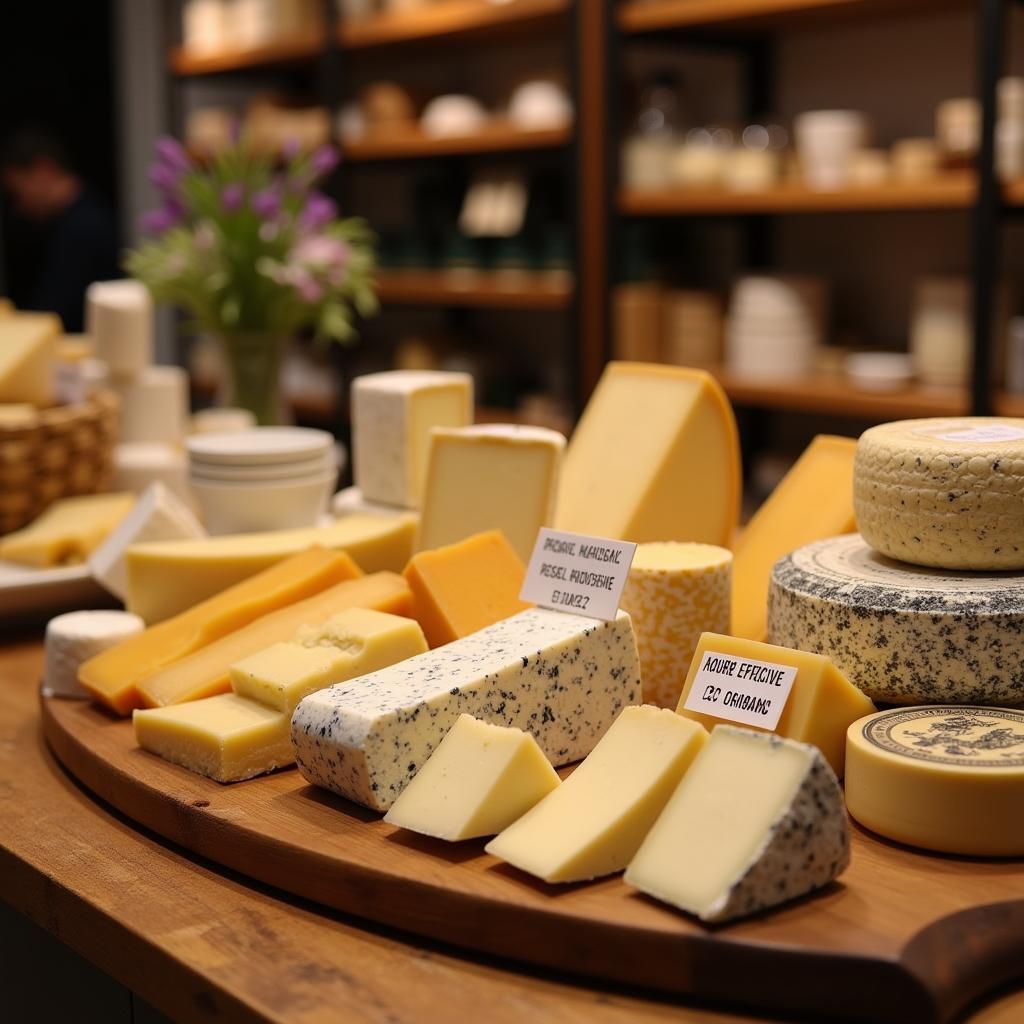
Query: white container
{"type": "Point", "coordinates": [869, 167]}
{"type": "Point", "coordinates": [1010, 148]}
{"type": "Point", "coordinates": [154, 405]}
{"type": "Point", "coordinates": [222, 420]}
{"type": "Point", "coordinates": [697, 164]}
{"type": "Point", "coordinates": [750, 170]}
{"type": "Point", "coordinates": [940, 331]}
{"type": "Point", "coordinates": [453, 115]}
{"type": "Point", "coordinates": [259, 506]}
{"type": "Point", "coordinates": [879, 371]}
{"type": "Point", "coordinates": [539, 105]}
{"type": "Point", "coordinates": [647, 162]}
{"type": "Point", "coordinates": [1010, 95]}
{"type": "Point", "coordinates": [260, 446]}
{"type": "Point", "coordinates": [138, 465]}
{"type": "Point", "coordinates": [914, 159]}
{"type": "Point", "coordinates": [204, 25]}
{"type": "Point", "coordinates": [958, 126]}
{"type": "Point", "coordinates": [119, 320]}
{"type": "Point", "coordinates": [825, 142]}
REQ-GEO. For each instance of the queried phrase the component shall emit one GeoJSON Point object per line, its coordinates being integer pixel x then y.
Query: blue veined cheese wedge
{"type": "Point", "coordinates": [564, 678]}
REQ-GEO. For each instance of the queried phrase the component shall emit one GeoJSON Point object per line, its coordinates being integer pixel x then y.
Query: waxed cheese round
{"type": "Point", "coordinates": [903, 634]}
{"type": "Point", "coordinates": [947, 493]}
{"type": "Point", "coordinates": [946, 777]}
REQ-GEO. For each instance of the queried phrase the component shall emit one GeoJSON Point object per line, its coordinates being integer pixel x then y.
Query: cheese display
{"type": "Point", "coordinates": [393, 414]}
{"type": "Point", "coordinates": [28, 347]}
{"type": "Point", "coordinates": [119, 319]}
{"type": "Point", "coordinates": [110, 677]}
{"type": "Point", "coordinates": [167, 577]}
{"type": "Point", "coordinates": [594, 823]}
{"type": "Point", "coordinates": [350, 501]}
{"type": "Point", "coordinates": [157, 515]}
{"type": "Point", "coordinates": [813, 501]}
{"type": "Point", "coordinates": [947, 493]}
{"type": "Point", "coordinates": [463, 587]}
{"type": "Point", "coordinates": [68, 531]}
{"type": "Point", "coordinates": [564, 678]}
{"type": "Point", "coordinates": [206, 671]}
{"type": "Point", "coordinates": [227, 737]}
{"type": "Point", "coordinates": [904, 634]}
{"type": "Point", "coordinates": [77, 636]}
{"type": "Point", "coordinates": [655, 457]}
{"type": "Point", "coordinates": [480, 780]}
{"type": "Point", "coordinates": [734, 679]}
{"type": "Point", "coordinates": [674, 593]}
{"type": "Point", "coordinates": [756, 821]}
{"type": "Point", "coordinates": [495, 476]}
{"type": "Point", "coordinates": [944, 777]}
{"type": "Point", "coordinates": [154, 405]}
{"type": "Point", "coordinates": [352, 643]}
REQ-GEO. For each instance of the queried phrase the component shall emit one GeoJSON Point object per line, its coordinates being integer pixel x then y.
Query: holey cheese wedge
{"type": "Point", "coordinates": [561, 677]}
{"type": "Point", "coordinates": [479, 780]}
{"type": "Point", "coordinates": [756, 821]}
{"type": "Point", "coordinates": [593, 823]}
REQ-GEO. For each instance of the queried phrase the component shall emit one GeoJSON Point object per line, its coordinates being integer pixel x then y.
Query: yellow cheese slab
{"type": "Point", "coordinates": [111, 677]}
{"type": "Point", "coordinates": [655, 457]}
{"type": "Point", "coordinates": [68, 531]}
{"type": "Point", "coordinates": [481, 779]}
{"type": "Point", "coordinates": [206, 672]}
{"type": "Point", "coordinates": [166, 577]}
{"type": "Point", "coordinates": [813, 501]}
{"type": "Point", "coordinates": [227, 738]}
{"type": "Point", "coordinates": [595, 821]}
{"type": "Point", "coordinates": [821, 704]}
{"type": "Point", "coordinates": [28, 346]}
{"type": "Point", "coordinates": [352, 643]}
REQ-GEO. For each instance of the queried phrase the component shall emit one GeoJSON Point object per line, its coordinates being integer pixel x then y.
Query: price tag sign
{"type": "Point", "coordinates": [741, 690]}
{"type": "Point", "coordinates": [570, 572]}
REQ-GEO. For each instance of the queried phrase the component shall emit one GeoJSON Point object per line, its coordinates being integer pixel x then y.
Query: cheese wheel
{"type": "Point", "coordinates": [675, 592]}
{"type": "Point", "coordinates": [76, 637]}
{"type": "Point", "coordinates": [947, 493]}
{"type": "Point", "coordinates": [945, 777]}
{"type": "Point", "coordinates": [902, 633]}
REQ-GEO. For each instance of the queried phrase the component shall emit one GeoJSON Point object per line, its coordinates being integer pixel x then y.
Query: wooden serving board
{"type": "Point", "coordinates": [903, 936]}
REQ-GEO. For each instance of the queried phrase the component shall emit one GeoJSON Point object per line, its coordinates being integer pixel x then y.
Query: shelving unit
{"type": "Point", "coordinates": [485, 290]}
{"type": "Point", "coordinates": [282, 53]}
{"type": "Point", "coordinates": [495, 138]}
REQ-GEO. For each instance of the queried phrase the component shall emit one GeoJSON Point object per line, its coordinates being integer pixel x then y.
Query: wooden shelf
{"type": "Point", "coordinates": [286, 51]}
{"type": "Point", "coordinates": [452, 21]}
{"type": "Point", "coordinates": [413, 143]}
{"type": "Point", "coordinates": [485, 289]}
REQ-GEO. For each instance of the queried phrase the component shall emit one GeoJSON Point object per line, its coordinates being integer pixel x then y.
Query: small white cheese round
{"type": "Point", "coordinates": [76, 637]}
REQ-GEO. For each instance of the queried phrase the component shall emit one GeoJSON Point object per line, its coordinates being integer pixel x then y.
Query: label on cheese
{"type": "Point", "coordinates": [996, 432]}
{"type": "Point", "coordinates": [570, 572]}
{"type": "Point", "coordinates": [741, 690]}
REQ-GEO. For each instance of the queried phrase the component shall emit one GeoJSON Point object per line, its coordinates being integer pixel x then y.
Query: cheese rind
{"type": "Point", "coordinates": [947, 493]}
{"type": "Point", "coordinates": [77, 636]}
{"type": "Point", "coordinates": [902, 633]}
{"type": "Point", "coordinates": [594, 823]}
{"type": "Point", "coordinates": [490, 477]}
{"type": "Point", "coordinates": [821, 704]}
{"type": "Point", "coordinates": [563, 678]}
{"type": "Point", "coordinates": [167, 577]}
{"type": "Point", "coordinates": [757, 820]}
{"type": "Point", "coordinates": [28, 347]}
{"type": "Point", "coordinates": [463, 587]}
{"type": "Point", "coordinates": [655, 457]}
{"type": "Point", "coordinates": [674, 593]}
{"type": "Point", "coordinates": [813, 501]}
{"type": "Point", "coordinates": [481, 778]}
{"type": "Point", "coordinates": [351, 643]}
{"type": "Point", "coordinates": [207, 671]}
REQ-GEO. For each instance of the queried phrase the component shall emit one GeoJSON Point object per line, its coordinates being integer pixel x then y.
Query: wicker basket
{"type": "Point", "coordinates": [46, 454]}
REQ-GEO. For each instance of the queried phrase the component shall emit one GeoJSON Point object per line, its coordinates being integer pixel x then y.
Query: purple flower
{"type": "Point", "coordinates": [267, 202]}
{"type": "Point", "coordinates": [319, 211]}
{"type": "Point", "coordinates": [321, 252]}
{"type": "Point", "coordinates": [232, 197]}
{"type": "Point", "coordinates": [324, 160]}
{"type": "Point", "coordinates": [308, 288]}
{"type": "Point", "coordinates": [170, 152]}
{"type": "Point", "coordinates": [290, 148]}
{"type": "Point", "coordinates": [165, 177]}
{"type": "Point", "coordinates": [156, 222]}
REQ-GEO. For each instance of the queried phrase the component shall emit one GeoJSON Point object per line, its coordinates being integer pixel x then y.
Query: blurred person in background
{"type": "Point", "coordinates": [79, 240]}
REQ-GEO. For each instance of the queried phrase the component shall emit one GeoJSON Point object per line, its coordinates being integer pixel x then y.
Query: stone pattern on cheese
{"type": "Point", "coordinates": [947, 493]}
{"type": "Point", "coordinates": [903, 634]}
{"type": "Point", "coordinates": [561, 677]}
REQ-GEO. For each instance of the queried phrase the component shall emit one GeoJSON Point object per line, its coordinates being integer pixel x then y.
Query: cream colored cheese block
{"type": "Point", "coordinates": [491, 477]}
{"type": "Point", "coordinates": [943, 777]}
{"type": "Point", "coordinates": [119, 319]}
{"type": "Point", "coordinates": [227, 738]}
{"type": "Point", "coordinates": [393, 414]}
{"type": "Point", "coordinates": [138, 465]}
{"type": "Point", "coordinates": [154, 405]}
{"type": "Point", "coordinates": [563, 678]}
{"type": "Point", "coordinates": [167, 577]}
{"type": "Point", "coordinates": [654, 457]}
{"type": "Point", "coordinates": [674, 593]}
{"type": "Point", "coordinates": [157, 515]}
{"type": "Point", "coordinates": [947, 493]}
{"type": "Point", "coordinates": [756, 821]}
{"type": "Point", "coordinates": [352, 643]}
{"type": "Point", "coordinates": [75, 637]}
{"type": "Point", "coordinates": [593, 823]}
{"type": "Point", "coordinates": [28, 348]}
{"type": "Point", "coordinates": [481, 778]}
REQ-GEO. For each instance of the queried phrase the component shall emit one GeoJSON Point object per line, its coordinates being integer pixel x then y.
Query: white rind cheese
{"type": "Point", "coordinates": [78, 636]}
{"type": "Point", "coordinates": [561, 677]}
{"type": "Point", "coordinates": [947, 493]}
{"type": "Point", "coordinates": [903, 634]}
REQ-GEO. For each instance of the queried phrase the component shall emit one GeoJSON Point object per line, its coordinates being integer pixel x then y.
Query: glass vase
{"type": "Point", "coordinates": [252, 381]}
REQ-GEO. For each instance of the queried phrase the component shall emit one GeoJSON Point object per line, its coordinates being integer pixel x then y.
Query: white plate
{"type": "Point", "coordinates": [259, 445]}
{"type": "Point", "coordinates": [26, 591]}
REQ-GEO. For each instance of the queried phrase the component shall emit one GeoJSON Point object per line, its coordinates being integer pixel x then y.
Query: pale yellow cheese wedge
{"type": "Point", "coordinates": [28, 345]}
{"type": "Point", "coordinates": [111, 677]}
{"type": "Point", "coordinates": [206, 672]}
{"type": "Point", "coordinates": [595, 821]}
{"type": "Point", "coordinates": [480, 780]}
{"type": "Point", "coordinates": [68, 531]}
{"type": "Point", "coordinates": [227, 737]}
{"type": "Point", "coordinates": [352, 643]}
{"type": "Point", "coordinates": [166, 577]}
